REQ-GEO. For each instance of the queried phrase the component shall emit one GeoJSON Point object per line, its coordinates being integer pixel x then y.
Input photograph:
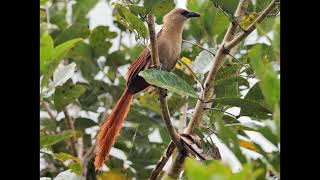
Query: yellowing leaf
{"type": "Point", "coordinates": [248, 19]}
{"type": "Point", "coordinates": [178, 66]}
{"type": "Point", "coordinates": [111, 175]}
{"type": "Point", "coordinates": [247, 145]}
{"type": "Point", "coordinates": [186, 60]}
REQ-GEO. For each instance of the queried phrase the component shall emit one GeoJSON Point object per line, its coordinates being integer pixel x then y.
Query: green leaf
{"type": "Point", "coordinates": [255, 93]}
{"type": "Point", "coordinates": [61, 50]}
{"type": "Point", "coordinates": [83, 56]}
{"type": "Point", "coordinates": [42, 2]}
{"type": "Point", "coordinates": [83, 123]}
{"type": "Point", "coordinates": [42, 16]}
{"type": "Point", "coordinates": [248, 107]}
{"type": "Point", "coordinates": [265, 26]}
{"type": "Point", "coordinates": [159, 8]}
{"type": "Point", "coordinates": [116, 59]}
{"type": "Point", "coordinates": [49, 124]}
{"type": "Point", "coordinates": [229, 80]}
{"type": "Point", "coordinates": [76, 30]}
{"type": "Point", "coordinates": [215, 170]}
{"type": "Point", "coordinates": [81, 9]}
{"type": "Point", "coordinates": [269, 82]}
{"type": "Point", "coordinates": [46, 51]}
{"type": "Point", "coordinates": [99, 40]}
{"type": "Point", "coordinates": [150, 101]}
{"type": "Point", "coordinates": [66, 94]}
{"type": "Point", "coordinates": [228, 5]}
{"type": "Point", "coordinates": [229, 87]}
{"type": "Point", "coordinates": [57, 55]}
{"type": "Point", "coordinates": [48, 140]}
{"type": "Point", "coordinates": [58, 17]}
{"type": "Point", "coordinates": [243, 127]}
{"type": "Point", "coordinates": [276, 31]}
{"type": "Point", "coordinates": [75, 166]}
{"type": "Point", "coordinates": [169, 81]}
{"type": "Point", "coordinates": [129, 20]}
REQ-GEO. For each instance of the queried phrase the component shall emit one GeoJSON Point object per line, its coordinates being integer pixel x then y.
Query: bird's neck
{"type": "Point", "coordinates": [173, 30]}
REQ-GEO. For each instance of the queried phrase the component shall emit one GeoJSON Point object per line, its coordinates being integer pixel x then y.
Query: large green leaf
{"type": "Point", "coordinates": [83, 56]}
{"type": "Point", "coordinates": [83, 123]}
{"type": "Point", "coordinates": [48, 140]}
{"type": "Point", "coordinates": [159, 8]}
{"type": "Point", "coordinates": [169, 81]}
{"type": "Point", "coordinates": [66, 94]}
{"type": "Point", "coordinates": [229, 87]}
{"type": "Point", "coordinates": [248, 107]}
{"type": "Point", "coordinates": [46, 51]}
{"type": "Point", "coordinates": [76, 30]}
{"type": "Point", "coordinates": [50, 63]}
{"type": "Point", "coordinates": [269, 82]}
{"type": "Point", "coordinates": [129, 20]}
{"type": "Point", "coordinates": [99, 40]}
{"type": "Point", "coordinates": [75, 166]}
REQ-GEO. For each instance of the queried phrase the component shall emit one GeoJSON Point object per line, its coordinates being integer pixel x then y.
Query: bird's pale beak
{"type": "Point", "coordinates": [192, 14]}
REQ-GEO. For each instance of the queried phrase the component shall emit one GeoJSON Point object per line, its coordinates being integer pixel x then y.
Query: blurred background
{"type": "Point", "coordinates": [86, 47]}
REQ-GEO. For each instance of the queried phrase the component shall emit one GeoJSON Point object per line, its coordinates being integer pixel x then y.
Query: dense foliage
{"type": "Point", "coordinates": [82, 76]}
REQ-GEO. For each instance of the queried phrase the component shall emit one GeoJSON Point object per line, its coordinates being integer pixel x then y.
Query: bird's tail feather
{"type": "Point", "coordinates": [111, 128]}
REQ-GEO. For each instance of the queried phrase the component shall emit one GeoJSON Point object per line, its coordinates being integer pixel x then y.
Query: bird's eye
{"type": "Point", "coordinates": [184, 13]}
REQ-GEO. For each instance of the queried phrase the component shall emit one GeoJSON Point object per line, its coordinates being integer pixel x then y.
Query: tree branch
{"type": "Point", "coordinates": [153, 41]}
{"type": "Point", "coordinates": [163, 160]}
{"type": "Point", "coordinates": [252, 27]}
{"type": "Point", "coordinates": [162, 92]}
{"type": "Point", "coordinates": [47, 108]}
{"type": "Point", "coordinates": [70, 125]}
{"type": "Point", "coordinates": [207, 93]}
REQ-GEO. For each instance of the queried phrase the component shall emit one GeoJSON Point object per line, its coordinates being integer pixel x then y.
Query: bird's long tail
{"type": "Point", "coordinates": [111, 128]}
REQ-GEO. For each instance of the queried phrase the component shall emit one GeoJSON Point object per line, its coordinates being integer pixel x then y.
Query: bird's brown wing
{"type": "Point", "coordinates": [136, 83]}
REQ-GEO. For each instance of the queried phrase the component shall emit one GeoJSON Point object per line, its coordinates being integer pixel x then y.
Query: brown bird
{"type": "Point", "coordinates": [169, 45]}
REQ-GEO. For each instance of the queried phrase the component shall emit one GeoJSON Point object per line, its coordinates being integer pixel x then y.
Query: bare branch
{"type": "Point", "coordinates": [47, 108]}
{"type": "Point", "coordinates": [70, 125]}
{"type": "Point", "coordinates": [153, 41]}
{"type": "Point", "coordinates": [199, 46]}
{"type": "Point", "coordinates": [163, 160]}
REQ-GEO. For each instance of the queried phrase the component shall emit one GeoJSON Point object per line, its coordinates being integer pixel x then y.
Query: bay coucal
{"type": "Point", "coordinates": [169, 41]}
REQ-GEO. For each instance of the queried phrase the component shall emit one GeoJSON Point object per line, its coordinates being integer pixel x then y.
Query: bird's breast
{"type": "Point", "coordinates": [169, 52]}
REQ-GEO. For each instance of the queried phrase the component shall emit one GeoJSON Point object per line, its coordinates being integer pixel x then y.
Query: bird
{"type": "Point", "coordinates": [169, 40]}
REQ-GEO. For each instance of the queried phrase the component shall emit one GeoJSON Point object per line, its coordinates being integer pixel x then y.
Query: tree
{"type": "Point", "coordinates": [217, 71]}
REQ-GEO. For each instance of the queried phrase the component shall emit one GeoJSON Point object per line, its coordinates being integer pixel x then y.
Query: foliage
{"type": "Point", "coordinates": [82, 72]}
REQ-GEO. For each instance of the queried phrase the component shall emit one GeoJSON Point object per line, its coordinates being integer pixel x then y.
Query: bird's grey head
{"type": "Point", "coordinates": [179, 15]}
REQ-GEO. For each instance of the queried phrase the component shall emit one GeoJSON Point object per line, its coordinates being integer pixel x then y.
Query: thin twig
{"type": "Point", "coordinates": [199, 46]}
{"type": "Point", "coordinates": [216, 109]}
{"type": "Point", "coordinates": [70, 125]}
{"type": "Point", "coordinates": [47, 108]}
{"type": "Point", "coordinates": [241, 63]}
{"type": "Point", "coordinates": [163, 160]}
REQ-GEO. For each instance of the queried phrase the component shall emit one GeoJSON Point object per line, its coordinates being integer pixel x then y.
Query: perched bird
{"type": "Point", "coordinates": [169, 46]}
